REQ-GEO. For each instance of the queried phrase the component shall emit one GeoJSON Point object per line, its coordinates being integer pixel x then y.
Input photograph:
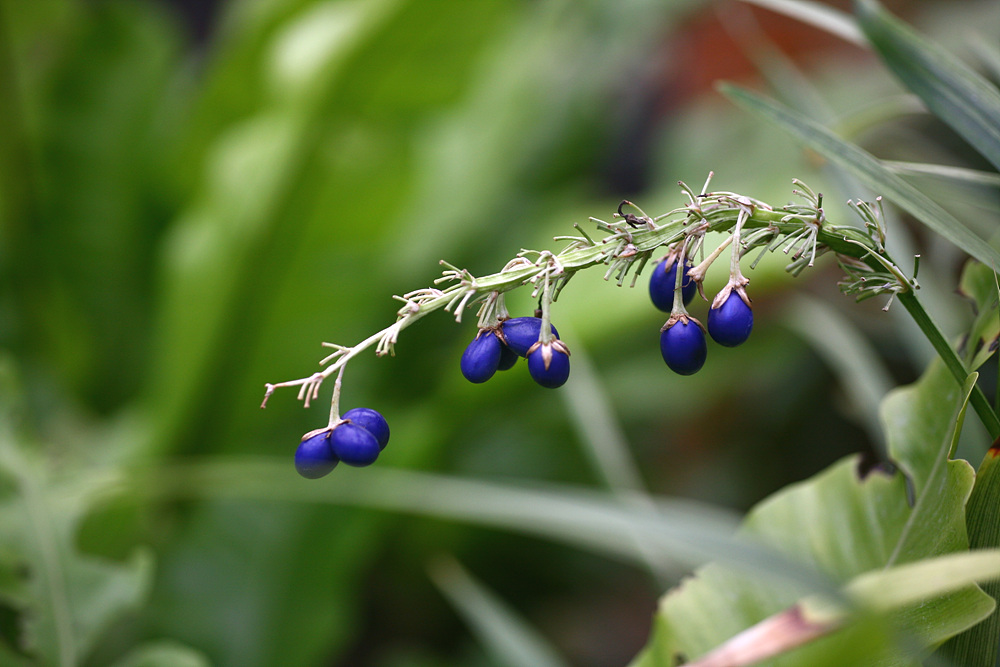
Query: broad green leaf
{"type": "Point", "coordinates": [846, 525]}
{"type": "Point", "coordinates": [951, 90]}
{"type": "Point", "coordinates": [867, 167]}
{"type": "Point", "coordinates": [508, 637]}
{"type": "Point", "coordinates": [914, 417]}
{"type": "Point", "coordinates": [979, 285]}
{"type": "Point", "coordinates": [882, 590]}
{"type": "Point", "coordinates": [978, 646]}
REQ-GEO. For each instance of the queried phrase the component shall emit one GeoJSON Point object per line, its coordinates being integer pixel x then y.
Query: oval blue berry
{"type": "Point", "coordinates": [508, 358]}
{"type": "Point", "coordinates": [372, 421]}
{"type": "Point", "coordinates": [683, 347]}
{"type": "Point", "coordinates": [315, 458]}
{"type": "Point", "coordinates": [522, 332]}
{"type": "Point", "coordinates": [730, 324]}
{"type": "Point", "coordinates": [482, 357]}
{"type": "Point", "coordinates": [555, 375]}
{"type": "Point", "coordinates": [354, 445]}
{"type": "Point", "coordinates": [662, 282]}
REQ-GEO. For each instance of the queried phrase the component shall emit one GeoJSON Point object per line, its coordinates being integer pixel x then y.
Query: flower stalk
{"type": "Point", "coordinates": [629, 242]}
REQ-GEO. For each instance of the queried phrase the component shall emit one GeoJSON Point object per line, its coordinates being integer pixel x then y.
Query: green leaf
{"type": "Point", "coordinates": [508, 637]}
{"type": "Point", "coordinates": [681, 531]}
{"type": "Point", "coordinates": [894, 587]}
{"type": "Point", "coordinates": [957, 174]}
{"type": "Point", "coordinates": [846, 525]}
{"type": "Point", "coordinates": [979, 285]}
{"type": "Point", "coordinates": [951, 90]}
{"type": "Point", "coordinates": [815, 14]}
{"type": "Point", "coordinates": [882, 590]}
{"type": "Point", "coordinates": [68, 598]}
{"type": "Point", "coordinates": [978, 646]}
{"type": "Point", "coordinates": [914, 418]}
{"type": "Point", "coordinates": [868, 168]}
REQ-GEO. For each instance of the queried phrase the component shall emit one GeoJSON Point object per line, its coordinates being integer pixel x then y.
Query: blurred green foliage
{"type": "Point", "coordinates": [181, 223]}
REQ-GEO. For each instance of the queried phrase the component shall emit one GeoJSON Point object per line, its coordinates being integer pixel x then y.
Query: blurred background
{"type": "Point", "coordinates": [195, 194]}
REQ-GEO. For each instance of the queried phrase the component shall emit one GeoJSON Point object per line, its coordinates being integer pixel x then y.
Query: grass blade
{"type": "Point", "coordinates": [507, 637]}
{"type": "Point", "coordinates": [867, 167]}
{"type": "Point", "coordinates": [683, 532]}
{"type": "Point", "coordinates": [951, 90]}
{"type": "Point", "coordinates": [820, 16]}
{"type": "Point", "coordinates": [958, 174]}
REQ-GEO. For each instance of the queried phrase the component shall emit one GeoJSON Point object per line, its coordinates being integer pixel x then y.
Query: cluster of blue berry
{"type": "Point", "coordinates": [682, 338]}
{"type": "Point", "coordinates": [747, 224]}
{"type": "Point", "coordinates": [357, 440]}
{"type": "Point", "coordinates": [497, 348]}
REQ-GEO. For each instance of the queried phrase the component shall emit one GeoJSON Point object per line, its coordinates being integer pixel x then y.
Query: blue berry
{"type": "Point", "coordinates": [683, 347]}
{"type": "Point", "coordinates": [482, 357]}
{"type": "Point", "coordinates": [521, 333]}
{"type": "Point", "coordinates": [372, 421]}
{"type": "Point", "coordinates": [315, 458]}
{"type": "Point", "coordinates": [558, 371]}
{"type": "Point", "coordinates": [662, 282]}
{"type": "Point", "coordinates": [354, 445]}
{"type": "Point", "coordinates": [508, 358]}
{"type": "Point", "coordinates": [730, 324]}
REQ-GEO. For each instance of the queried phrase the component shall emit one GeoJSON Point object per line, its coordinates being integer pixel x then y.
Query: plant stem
{"type": "Point", "coordinates": [950, 358]}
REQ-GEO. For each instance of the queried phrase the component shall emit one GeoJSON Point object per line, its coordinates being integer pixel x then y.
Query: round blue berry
{"type": "Point", "coordinates": [482, 357]}
{"type": "Point", "coordinates": [522, 332]}
{"type": "Point", "coordinates": [556, 374]}
{"type": "Point", "coordinates": [663, 281]}
{"type": "Point", "coordinates": [730, 324]}
{"type": "Point", "coordinates": [354, 445]}
{"type": "Point", "coordinates": [315, 458]}
{"type": "Point", "coordinates": [371, 421]}
{"type": "Point", "coordinates": [508, 358]}
{"type": "Point", "coordinates": [683, 347]}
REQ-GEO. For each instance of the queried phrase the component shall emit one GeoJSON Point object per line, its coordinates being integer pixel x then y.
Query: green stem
{"type": "Point", "coordinates": [944, 349]}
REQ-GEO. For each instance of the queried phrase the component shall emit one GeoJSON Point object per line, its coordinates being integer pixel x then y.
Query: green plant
{"type": "Point", "coordinates": [306, 114]}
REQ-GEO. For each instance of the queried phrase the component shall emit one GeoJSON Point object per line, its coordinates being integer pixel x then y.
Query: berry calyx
{"type": "Point", "coordinates": [372, 421]}
{"type": "Point", "coordinates": [314, 457]}
{"type": "Point", "coordinates": [683, 346]}
{"type": "Point", "coordinates": [354, 445]}
{"type": "Point", "coordinates": [663, 282]}
{"type": "Point", "coordinates": [730, 322]}
{"type": "Point", "coordinates": [520, 333]}
{"type": "Point", "coordinates": [481, 358]}
{"type": "Point", "coordinates": [549, 364]}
